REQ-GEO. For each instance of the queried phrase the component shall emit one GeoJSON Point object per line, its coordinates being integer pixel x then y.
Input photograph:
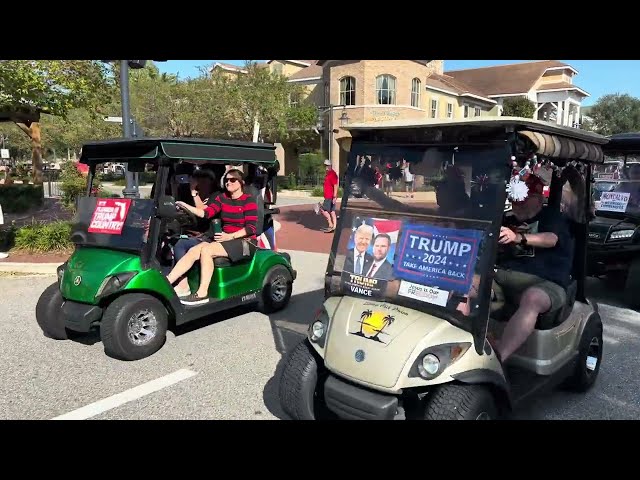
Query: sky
{"type": "Point", "coordinates": [597, 77]}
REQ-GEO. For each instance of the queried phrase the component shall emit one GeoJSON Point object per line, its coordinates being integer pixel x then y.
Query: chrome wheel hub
{"type": "Point", "coordinates": [142, 327]}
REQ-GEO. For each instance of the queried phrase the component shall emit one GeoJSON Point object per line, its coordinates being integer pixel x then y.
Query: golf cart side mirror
{"type": "Point", "coordinates": [167, 207]}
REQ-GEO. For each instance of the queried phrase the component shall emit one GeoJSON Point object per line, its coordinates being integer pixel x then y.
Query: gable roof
{"type": "Point", "coordinates": [448, 84]}
{"type": "Point", "coordinates": [512, 79]}
{"type": "Point", "coordinates": [312, 72]}
{"type": "Point", "coordinates": [423, 62]}
{"type": "Point", "coordinates": [302, 63]}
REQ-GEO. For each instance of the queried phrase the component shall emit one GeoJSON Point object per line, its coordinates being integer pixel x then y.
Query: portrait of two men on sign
{"type": "Point", "coordinates": [371, 248]}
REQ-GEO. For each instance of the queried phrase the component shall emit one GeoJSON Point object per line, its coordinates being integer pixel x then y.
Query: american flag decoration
{"type": "Point", "coordinates": [480, 182]}
{"type": "Point", "coordinates": [268, 238]}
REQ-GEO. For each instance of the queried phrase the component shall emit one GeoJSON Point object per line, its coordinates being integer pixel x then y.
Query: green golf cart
{"type": "Point", "coordinates": [116, 277]}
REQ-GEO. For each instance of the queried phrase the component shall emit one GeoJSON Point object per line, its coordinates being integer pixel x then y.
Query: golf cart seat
{"type": "Point", "coordinates": [502, 310]}
{"type": "Point", "coordinates": [262, 214]}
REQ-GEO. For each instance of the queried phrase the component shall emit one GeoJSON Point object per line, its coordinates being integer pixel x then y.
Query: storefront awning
{"type": "Point", "coordinates": [562, 147]}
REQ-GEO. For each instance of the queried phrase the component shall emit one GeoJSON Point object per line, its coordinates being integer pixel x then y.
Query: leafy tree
{"type": "Point", "coordinates": [615, 113]}
{"type": "Point", "coordinates": [263, 96]}
{"type": "Point", "coordinates": [518, 107]}
{"type": "Point", "coordinates": [52, 87]}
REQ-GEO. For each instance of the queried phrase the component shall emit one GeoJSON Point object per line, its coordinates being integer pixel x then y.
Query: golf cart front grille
{"type": "Point", "coordinates": [356, 403]}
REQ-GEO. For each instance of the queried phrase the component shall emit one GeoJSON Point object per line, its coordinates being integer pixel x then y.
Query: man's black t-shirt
{"type": "Point", "coordinates": [553, 264]}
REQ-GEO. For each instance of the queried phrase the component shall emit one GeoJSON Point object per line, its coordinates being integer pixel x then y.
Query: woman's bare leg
{"type": "Point", "coordinates": [185, 263]}
{"type": "Point", "coordinates": [207, 254]}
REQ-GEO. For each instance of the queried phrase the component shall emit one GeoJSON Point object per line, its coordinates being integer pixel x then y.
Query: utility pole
{"type": "Point", "coordinates": [131, 189]}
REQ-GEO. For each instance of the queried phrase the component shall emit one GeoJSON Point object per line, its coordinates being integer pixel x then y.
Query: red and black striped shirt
{"type": "Point", "coordinates": [235, 214]}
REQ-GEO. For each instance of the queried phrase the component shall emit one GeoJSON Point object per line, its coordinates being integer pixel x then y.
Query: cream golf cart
{"type": "Point", "coordinates": [409, 291]}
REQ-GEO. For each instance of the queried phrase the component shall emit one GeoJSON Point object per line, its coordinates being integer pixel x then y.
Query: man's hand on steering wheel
{"type": "Point", "coordinates": [507, 235]}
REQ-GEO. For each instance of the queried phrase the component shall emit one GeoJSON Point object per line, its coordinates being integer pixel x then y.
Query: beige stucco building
{"type": "Point", "coordinates": [379, 90]}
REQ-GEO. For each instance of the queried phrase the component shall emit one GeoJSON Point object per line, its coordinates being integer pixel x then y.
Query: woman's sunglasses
{"type": "Point", "coordinates": [231, 180]}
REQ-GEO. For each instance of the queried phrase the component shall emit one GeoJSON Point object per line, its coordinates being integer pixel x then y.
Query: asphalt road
{"type": "Point", "coordinates": [225, 368]}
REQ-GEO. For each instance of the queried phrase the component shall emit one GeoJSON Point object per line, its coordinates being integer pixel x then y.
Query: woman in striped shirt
{"type": "Point", "coordinates": [239, 217]}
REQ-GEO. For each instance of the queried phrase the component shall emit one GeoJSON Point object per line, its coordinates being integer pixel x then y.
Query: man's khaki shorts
{"type": "Point", "coordinates": [514, 283]}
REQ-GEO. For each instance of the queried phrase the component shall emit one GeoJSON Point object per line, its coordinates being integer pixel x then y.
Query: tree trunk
{"type": "Point", "coordinates": [36, 154]}
{"type": "Point", "coordinates": [36, 150]}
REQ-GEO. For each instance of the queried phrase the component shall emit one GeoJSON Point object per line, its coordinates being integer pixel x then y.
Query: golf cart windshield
{"type": "Point", "coordinates": [620, 199]}
{"type": "Point", "coordinates": [416, 220]}
{"type": "Point", "coordinates": [117, 223]}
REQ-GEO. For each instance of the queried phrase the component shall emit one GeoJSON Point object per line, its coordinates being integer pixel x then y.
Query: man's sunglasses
{"type": "Point", "coordinates": [231, 180]}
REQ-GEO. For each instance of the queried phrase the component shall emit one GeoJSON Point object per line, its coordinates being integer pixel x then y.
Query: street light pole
{"type": "Point", "coordinates": [329, 108]}
{"type": "Point", "coordinates": [131, 190]}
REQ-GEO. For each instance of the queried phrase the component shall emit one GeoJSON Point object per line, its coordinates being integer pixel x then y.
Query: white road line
{"type": "Point", "coordinates": [127, 396]}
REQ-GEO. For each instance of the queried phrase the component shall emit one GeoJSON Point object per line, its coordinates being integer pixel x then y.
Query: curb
{"type": "Point", "coordinates": [25, 267]}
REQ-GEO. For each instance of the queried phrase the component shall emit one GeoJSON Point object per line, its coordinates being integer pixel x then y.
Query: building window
{"type": "Point", "coordinates": [434, 108]}
{"type": "Point", "coordinates": [386, 89]}
{"type": "Point", "coordinates": [449, 110]}
{"type": "Point", "coordinates": [415, 92]}
{"type": "Point", "coordinates": [466, 111]}
{"type": "Point", "coordinates": [477, 111]}
{"type": "Point", "coordinates": [348, 91]}
{"type": "Point", "coordinates": [294, 99]}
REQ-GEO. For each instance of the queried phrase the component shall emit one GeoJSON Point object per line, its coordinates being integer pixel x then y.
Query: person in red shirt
{"type": "Point", "coordinates": [239, 218]}
{"type": "Point", "coordinates": [328, 208]}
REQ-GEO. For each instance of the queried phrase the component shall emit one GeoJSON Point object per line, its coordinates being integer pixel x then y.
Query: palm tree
{"type": "Point", "coordinates": [386, 321]}
{"type": "Point", "coordinates": [363, 318]}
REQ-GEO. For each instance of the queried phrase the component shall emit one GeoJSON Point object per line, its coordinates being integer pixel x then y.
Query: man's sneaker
{"type": "Point", "coordinates": [194, 299]}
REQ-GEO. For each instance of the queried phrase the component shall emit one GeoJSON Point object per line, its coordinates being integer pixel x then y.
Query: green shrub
{"type": "Point", "coordinates": [18, 198]}
{"type": "Point", "coordinates": [74, 184]}
{"type": "Point", "coordinates": [319, 192]}
{"type": "Point", "coordinates": [44, 237]}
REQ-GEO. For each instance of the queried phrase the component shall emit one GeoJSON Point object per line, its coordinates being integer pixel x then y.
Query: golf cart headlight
{"type": "Point", "coordinates": [60, 271]}
{"type": "Point", "coordinates": [318, 328]}
{"type": "Point", "coordinates": [113, 283]}
{"type": "Point", "coordinates": [317, 331]}
{"type": "Point", "coordinates": [436, 359]}
{"type": "Point", "coordinates": [621, 235]}
{"type": "Point", "coordinates": [429, 365]}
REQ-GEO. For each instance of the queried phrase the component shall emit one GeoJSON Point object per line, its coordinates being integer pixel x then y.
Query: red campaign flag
{"type": "Point", "coordinates": [109, 215]}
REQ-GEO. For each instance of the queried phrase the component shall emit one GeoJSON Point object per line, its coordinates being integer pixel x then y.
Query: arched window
{"type": "Point", "coordinates": [386, 89]}
{"type": "Point", "coordinates": [416, 85]}
{"type": "Point", "coordinates": [347, 91]}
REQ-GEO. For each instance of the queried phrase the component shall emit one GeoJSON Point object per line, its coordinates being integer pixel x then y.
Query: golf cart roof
{"type": "Point", "coordinates": [191, 149]}
{"type": "Point", "coordinates": [547, 139]}
{"type": "Point", "coordinates": [622, 143]}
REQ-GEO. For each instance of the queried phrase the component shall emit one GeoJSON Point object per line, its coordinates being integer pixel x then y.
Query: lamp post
{"type": "Point", "coordinates": [131, 190]}
{"type": "Point", "coordinates": [344, 118]}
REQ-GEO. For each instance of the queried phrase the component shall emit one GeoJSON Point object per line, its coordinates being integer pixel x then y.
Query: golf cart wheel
{"type": "Point", "coordinates": [276, 290]}
{"type": "Point", "coordinates": [49, 315]}
{"type": "Point", "coordinates": [589, 357]}
{"type": "Point", "coordinates": [133, 327]}
{"type": "Point", "coordinates": [632, 286]}
{"type": "Point", "coordinates": [461, 402]}
{"type": "Point", "coordinates": [301, 390]}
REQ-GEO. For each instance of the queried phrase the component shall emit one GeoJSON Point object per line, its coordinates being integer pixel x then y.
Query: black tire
{"type": "Point", "coordinates": [583, 377]}
{"type": "Point", "coordinates": [49, 313]}
{"type": "Point", "coordinates": [276, 289]}
{"type": "Point", "coordinates": [114, 328]}
{"type": "Point", "coordinates": [301, 385]}
{"type": "Point", "coordinates": [632, 286]}
{"type": "Point", "coordinates": [461, 402]}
